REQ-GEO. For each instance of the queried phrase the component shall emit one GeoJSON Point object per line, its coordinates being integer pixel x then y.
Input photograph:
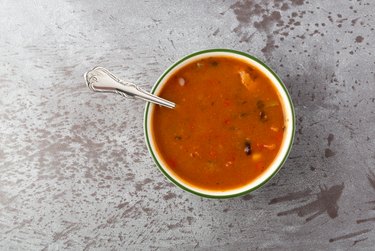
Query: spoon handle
{"type": "Point", "coordinates": [100, 79]}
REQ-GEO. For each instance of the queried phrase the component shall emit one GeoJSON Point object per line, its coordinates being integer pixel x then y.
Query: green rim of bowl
{"type": "Point", "coordinates": [181, 185]}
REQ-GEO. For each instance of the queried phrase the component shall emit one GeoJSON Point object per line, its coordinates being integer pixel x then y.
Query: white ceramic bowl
{"type": "Point", "coordinates": [289, 131]}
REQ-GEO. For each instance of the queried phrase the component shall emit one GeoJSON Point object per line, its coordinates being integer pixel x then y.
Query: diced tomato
{"type": "Point", "coordinates": [227, 102]}
{"type": "Point", "coordinates": [258, 166]}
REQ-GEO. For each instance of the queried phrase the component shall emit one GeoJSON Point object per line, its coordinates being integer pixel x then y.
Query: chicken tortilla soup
{"type": "Point", "coordinates": [227, 127]}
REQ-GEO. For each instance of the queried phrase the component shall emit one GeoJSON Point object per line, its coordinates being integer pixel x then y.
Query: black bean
{"type": "Point", "coordinates": [263, 116]}
{"type": "Point", "coordinates": [247, 149]}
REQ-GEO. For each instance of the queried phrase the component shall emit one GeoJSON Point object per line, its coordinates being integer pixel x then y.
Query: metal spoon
{"type": "Point", "coordinates": [100, 79]}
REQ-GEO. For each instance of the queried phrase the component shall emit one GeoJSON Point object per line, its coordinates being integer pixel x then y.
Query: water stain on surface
{"type": "Point", "coordinates": [190, 219]}
{"type": "Point", "coordinates": [267, 18]}
{"type": "Point", "coordinates": [139, 185]}
{"type": "Point", "coordinates": [63, 234]}
{"type": "Point", "coordinates": [365, 220]}
{"type": "Point", "coordinates": [359, 240]}
{"type": "Point", "coordinates": [246, 11]}
{"type": "Point", "coordinates": [216, 32]}
{"type": "Point", "coordinates": [298, 2]}
{"type": "Point", "coordinates": [169, 196]}
{"type": "Point", "coordinates": [371, 179]}
{"type": "Point", "coordinates": [270, 45]}
{"type": "Point", "coordinates": [330, 139]}
{"type": "Point", "coordinates": [265, 25]}
{"type": "Point", "coordinates": [326, 202]}
{"type": "Point", "coordinates": [329, 153]}
{"type": "Point", "coordinates": [284, 7]}
{"type": "Point", "coordinates": [351, 235]}
{"type": "Point", "coordinates": [359, 39]}
{"type": "Point", "coordinates": [122, 205]}
{"type": "Point", "coordinates": [131, 211]}
{"type": "Point", "coordinates": [354, 21]}
{"type": "Point", "coordinates": [247, 197]}
{"type": "Point", "coordinates": [291, 196]}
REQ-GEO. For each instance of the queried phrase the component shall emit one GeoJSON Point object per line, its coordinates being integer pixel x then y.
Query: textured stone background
{"type": "Point", "coordinates": [74, 169]}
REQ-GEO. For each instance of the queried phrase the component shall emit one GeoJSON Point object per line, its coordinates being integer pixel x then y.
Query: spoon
{"type": "Point", "coordinates": [100, 79]}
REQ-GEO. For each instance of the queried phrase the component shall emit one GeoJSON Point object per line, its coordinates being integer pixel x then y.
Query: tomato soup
{"type": "Point", "coordinates": [227, 127]}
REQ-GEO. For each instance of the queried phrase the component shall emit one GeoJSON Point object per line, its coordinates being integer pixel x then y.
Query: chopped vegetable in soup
{"type": "Point", "coordinates": [227, 127]}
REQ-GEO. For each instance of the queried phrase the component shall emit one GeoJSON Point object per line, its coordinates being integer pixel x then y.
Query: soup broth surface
{"type": "Point", "coordinates": [227, 127]}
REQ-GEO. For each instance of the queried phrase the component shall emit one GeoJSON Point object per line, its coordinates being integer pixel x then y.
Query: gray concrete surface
{"type": "Point", "coordinates": [75, 173]}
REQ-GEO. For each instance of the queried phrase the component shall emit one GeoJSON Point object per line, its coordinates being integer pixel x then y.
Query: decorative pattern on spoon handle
{"type": "Point", "coordinates": [100, 79]}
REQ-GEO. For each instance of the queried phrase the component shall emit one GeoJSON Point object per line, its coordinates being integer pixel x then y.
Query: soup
{"type": "Point", "coordinates": [227, 127]}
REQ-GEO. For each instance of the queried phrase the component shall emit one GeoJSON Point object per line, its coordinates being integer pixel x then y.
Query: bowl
{"type": "Point", "coordinates": [289, 121]}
